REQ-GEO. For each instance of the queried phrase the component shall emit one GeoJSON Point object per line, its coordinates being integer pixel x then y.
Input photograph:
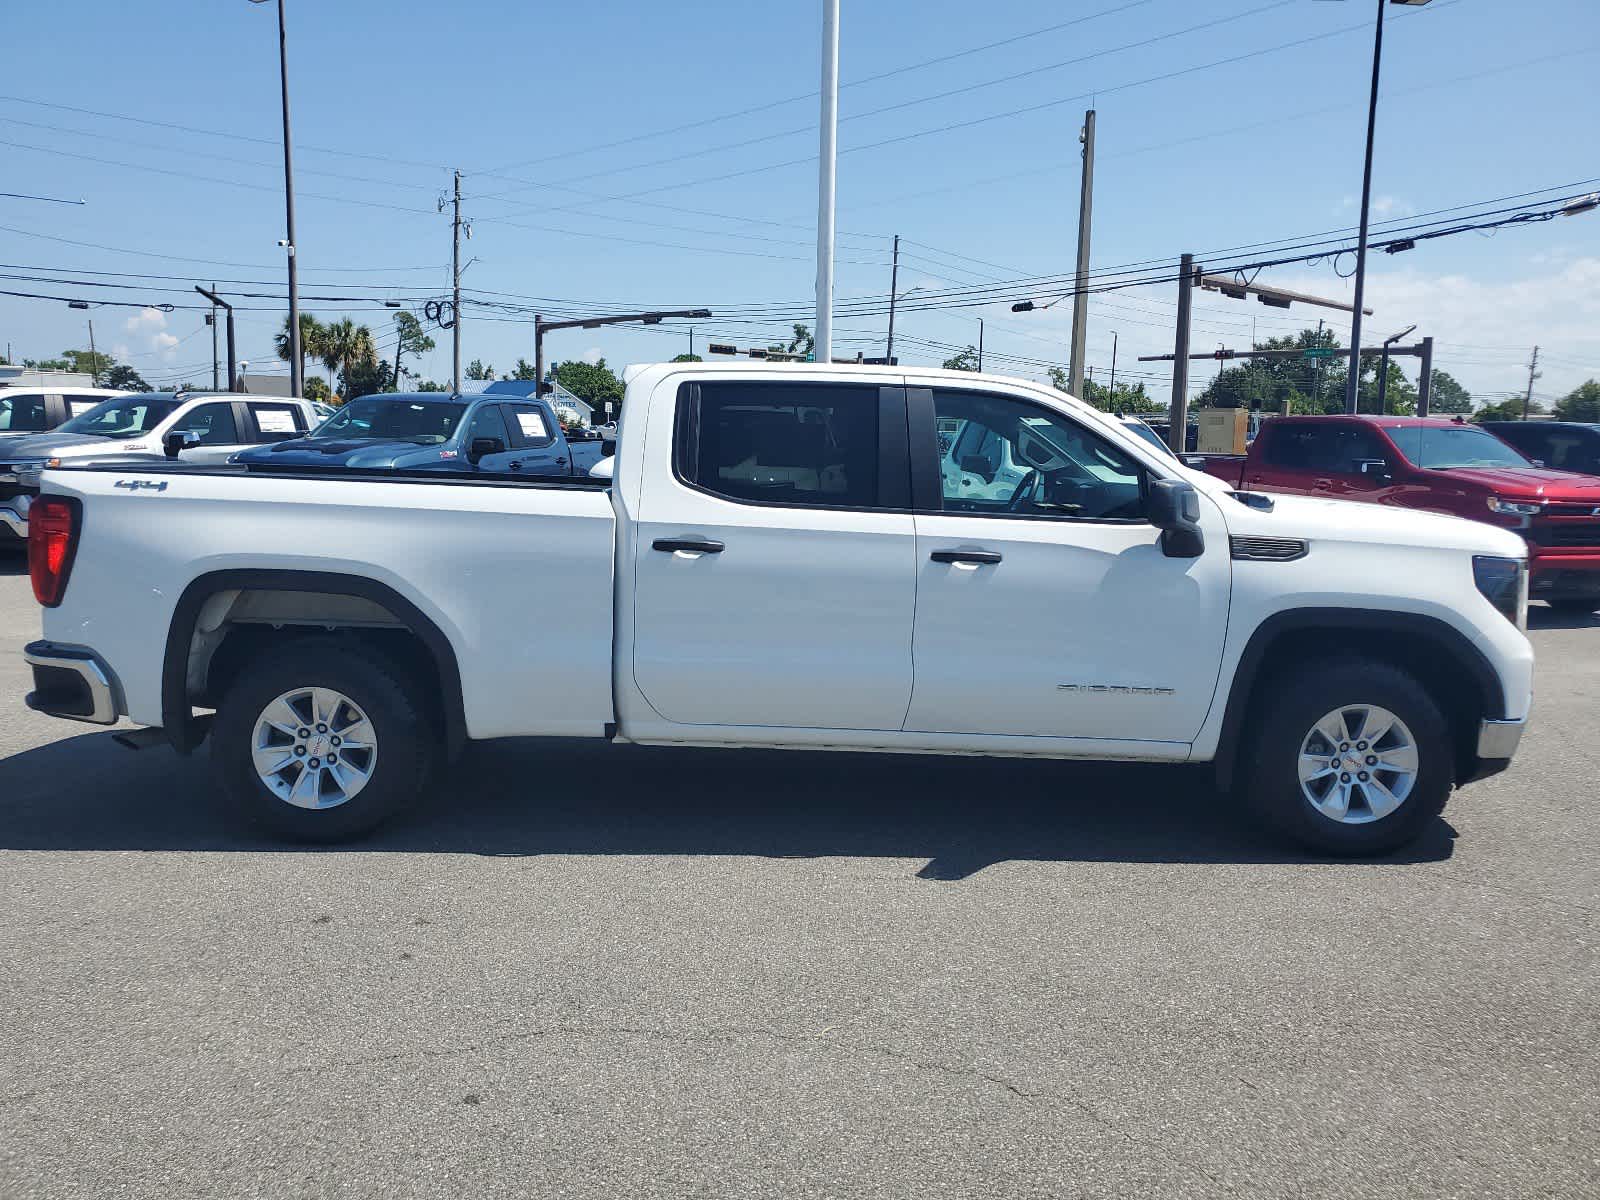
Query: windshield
{"type": "Point", "coordinates": [426, 422]}
{"type": "Point", "coordinates": [1441, 449]}
{"type": "Point", "coordinates": [1140, 429]}
{"type": "Point", "coordinates": [124, 417]}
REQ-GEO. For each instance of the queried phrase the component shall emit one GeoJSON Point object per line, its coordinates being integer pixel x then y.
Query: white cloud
{"type": "Point", "coordinates": [147, 320]}
{"type": "Point", "coordinates": [593, 355]}
{"type": "Point", "coordinates": [163, 342]}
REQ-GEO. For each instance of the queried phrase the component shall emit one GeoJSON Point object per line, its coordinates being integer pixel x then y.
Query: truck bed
{"type": "Point", "coordinates": [516, 572]}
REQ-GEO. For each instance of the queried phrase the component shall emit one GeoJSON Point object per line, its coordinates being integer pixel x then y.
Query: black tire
{"type": "Point", "coordinates": [407, 743]}
{"type": "Point", "coordinates": [1575, 605]}
{"type": "Point", "coordinates": [1285, 713]}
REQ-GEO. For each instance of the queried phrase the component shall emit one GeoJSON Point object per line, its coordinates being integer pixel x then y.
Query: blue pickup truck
{"type": "Point", "coordinates": [436, 431]}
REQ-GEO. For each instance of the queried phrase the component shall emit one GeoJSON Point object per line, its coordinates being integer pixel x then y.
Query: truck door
{"type": "Point", "coordinates": [536, 437]}
{"type": "Point", "coordinates": [775, 568]}
{"type": "Point", "coordinates": [488, 421]}
{"type": "Point", "coordinates": [221, 426]}
{"type": "Point", "coordinates": [1046, 607]}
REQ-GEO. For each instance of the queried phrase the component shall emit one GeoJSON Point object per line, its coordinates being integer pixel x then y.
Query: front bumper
{"type": "Point", "coordinates": [71, 682]}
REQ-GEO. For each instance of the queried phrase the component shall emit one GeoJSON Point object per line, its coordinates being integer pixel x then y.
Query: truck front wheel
{"type": "Point", "coordinates": [318, 741]}
{"type": "Point", "coordinates": [1349, 756]}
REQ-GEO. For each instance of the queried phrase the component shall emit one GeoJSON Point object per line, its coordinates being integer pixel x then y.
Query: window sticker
{"type": "Point", "coordinates": [275, 420]}
{"type": "Point", "coordinates": [532, 425]}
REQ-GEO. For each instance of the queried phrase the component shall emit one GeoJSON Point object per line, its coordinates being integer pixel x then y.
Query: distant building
{"type": "Point", "coordinates": [19, 376]}
{"type": "Point", "coordinates": [266, 385]}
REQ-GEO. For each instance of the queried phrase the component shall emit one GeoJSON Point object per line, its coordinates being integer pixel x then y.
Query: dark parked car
{"type": "Point", "coordinates": [1562, 445]}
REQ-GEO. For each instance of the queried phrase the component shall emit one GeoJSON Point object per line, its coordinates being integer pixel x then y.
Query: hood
{"type": "Point", "coordinates": [1536, 483]}
{"type": "Point", "coordinates": [340, 452]}
{"type": "Point", "coordinates": [59, 445]}
{"type": "Point", "coordinates": [1312, 519]}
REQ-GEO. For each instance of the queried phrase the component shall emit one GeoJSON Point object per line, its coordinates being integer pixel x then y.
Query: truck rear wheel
{"type": "Point", "coordinates": [1349, 756]}
{"type": "Point", "coordinates": [318, 741]}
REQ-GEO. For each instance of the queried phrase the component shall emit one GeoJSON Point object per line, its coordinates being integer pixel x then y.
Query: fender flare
{"type": "Point", "coordinates": [185, 733]}
{"type": "Point", "coordinates": [1441, 637]}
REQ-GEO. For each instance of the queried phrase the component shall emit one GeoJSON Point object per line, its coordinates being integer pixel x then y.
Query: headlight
{"type": "Point", "coordinates": [28, 470]}
{"type": "Point", "coordinates": [1503, 582]}
{"type": "Point", "coordinates": [1514, 508]}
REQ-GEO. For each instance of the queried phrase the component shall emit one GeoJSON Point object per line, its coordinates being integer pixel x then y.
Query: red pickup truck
{"type": "Point", "coordinates": [1443, 466]}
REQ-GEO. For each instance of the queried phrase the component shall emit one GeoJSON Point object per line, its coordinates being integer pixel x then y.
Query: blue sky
{"type": "Point", "coordinates": [548, 108]}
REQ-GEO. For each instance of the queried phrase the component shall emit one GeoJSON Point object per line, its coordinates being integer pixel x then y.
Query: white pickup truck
{"type": "Point", "coordinates": [810, 557]}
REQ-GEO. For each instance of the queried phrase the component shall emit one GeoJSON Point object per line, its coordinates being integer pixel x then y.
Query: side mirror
{"type": "Point", "coordinates": [482, 446]}
{"type": "Point", "coordinates": [608, 447]}
{"type": "Point", "coordinates": [1174, 508]}
{"type": "Point", "coordinates": [1539, 462]}
{"type": "Point", "coordinates": [179, 440]}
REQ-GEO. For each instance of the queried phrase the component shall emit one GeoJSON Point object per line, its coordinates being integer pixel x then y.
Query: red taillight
{"type": "Point", "coordinates": [52, 541]}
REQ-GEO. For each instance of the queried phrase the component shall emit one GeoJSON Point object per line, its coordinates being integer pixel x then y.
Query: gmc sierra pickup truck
{"type": "Point", "coordinates": [819, 557]}
{"type": "Point", "coordinates": [1440, 466]}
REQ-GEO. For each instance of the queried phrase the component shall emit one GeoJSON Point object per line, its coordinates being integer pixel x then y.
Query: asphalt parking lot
{"type": "Point", "coordinates": [624, 972]}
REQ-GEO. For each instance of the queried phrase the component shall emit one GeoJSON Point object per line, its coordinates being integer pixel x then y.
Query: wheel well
{"type": "Point", "coordinates": [225, 621]}
{"type": "Point", "coordinates": [1456, 681]}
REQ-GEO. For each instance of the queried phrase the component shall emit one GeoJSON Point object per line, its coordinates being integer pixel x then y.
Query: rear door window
{"type": "Point", "coordinates": [23, 412]}
{"type": "Point", "coordinates": [800, 444]}
{"type": "Point", "coordinates": [214, 423]}
{"type": "Point", "coordinates": [276, 422]}
{"type": "Point", "coordinates": [529, 427]}
{"type": "Point", "coordinates": [1297, 447]}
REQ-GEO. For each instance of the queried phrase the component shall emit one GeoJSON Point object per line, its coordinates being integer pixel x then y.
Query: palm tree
{"type": "Point", "coordinates": [312, 333]}
{"type": "Point", "coordinates": [344, 344]}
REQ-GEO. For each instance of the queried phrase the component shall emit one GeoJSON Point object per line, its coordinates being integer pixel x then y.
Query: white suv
{"type": "Point", "coordinates": [136, 425]}
{"type": "Point", "coordinates": [26, 411]}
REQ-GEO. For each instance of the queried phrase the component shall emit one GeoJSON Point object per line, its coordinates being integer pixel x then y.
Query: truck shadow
{"type": "Point", "coordinates": [1542, 617]}
{"type": "Point", "coordinates": [535, 798]}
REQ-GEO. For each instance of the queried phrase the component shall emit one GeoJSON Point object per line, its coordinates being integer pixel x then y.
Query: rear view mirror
{"type": "Point", "coordinates": [1174, 508]}
{"type": "Point", "coordinates": [179, 440]}
{"type": "Point", "coordinates": [482, 446]}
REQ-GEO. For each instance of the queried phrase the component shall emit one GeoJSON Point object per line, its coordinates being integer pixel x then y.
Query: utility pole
{"type": "Point", "coordinates": [211, 320]}
{"type": "Point", "coordinates": [297, 364]}
{"type": "Point", "coordinates": [691, 341]}
{"type": "Point", "coordinates": [1352, 382]}
{"type": "Point", "coordinates": [894, 288]}
{"type": "Point", "coordinates": [827, 163]}
{"type": "Point", "coordinates": [1316, 390]}
{"type": "Point", "coordinates": [455, 292]}
{"type": "Point", "coordinates": [1425, 381]}
{"type": "Point", "coordinates": [1080, 298]}
{"type": "Point", "coordinates": [980, 345]}
{"type": "Point", "coordinates": [1113, 387]}
{"type": "Point", "coordinates": [399, 345]}
{"type": "Point", "coordinates": [94, 360]}
{"type": "Point", "coordinates": [1533, 373]}
{"type": "Point", "coordinates": [1178, 434]}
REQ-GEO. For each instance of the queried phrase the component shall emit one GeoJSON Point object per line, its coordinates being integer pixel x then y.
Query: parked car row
{"type": "Point", "coordinates": [1447, 466]}
{"type": "Point", "coordinates": [428, 431]}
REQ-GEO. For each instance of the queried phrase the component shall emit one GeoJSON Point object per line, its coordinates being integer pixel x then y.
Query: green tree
{"type": "Point", "coordinates": [1580, 404]}
{"type": "Point", "coordinates": [688, 358]}
{"type": "Point", "coordinates": [477, 370]}
{"type": "Point", "coordinates": [364, 376]}
{"type": "Point", "coordinates": [966, 360]}
{"type": "Point", "coordinates": [414, 341]}
{"type": "Point", "coordinates": [313, 335]}
{"type": "Point", "coordinates": [803, 341]}
{"type": "Point", "coordinates": [428, 385]}
{"type": "Point", "coordinates": [346, 347]}
{"type": "Point", "coordinates": [47, 364]}
{"type": "Point", "coordinates": [1400, 399]}
{"type": "Point", "coordinates": [1448, 396]}
{"type": "Point", "coordinates": [593, 383]}
{"type": "Point", "coordinates": [1307, 385]}
{"type": "Point", "coordinates": [524, 371]}
{"type": "Point", "coordinates": [124, 378]}
{"type": "Point", "coordinates": [1509, 409]}
{"type": "Point", "coordinates": [317, 389]}
{"type": "Point", "coordinates": [88, 362]}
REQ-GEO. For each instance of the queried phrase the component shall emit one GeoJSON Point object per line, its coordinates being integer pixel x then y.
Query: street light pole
{"type": "Point", "coordinates": [297, 365]}
{"type": "Point", "coordinates": [1352, 383]}
{"type": "Point", "coordinates": [827, 163]}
